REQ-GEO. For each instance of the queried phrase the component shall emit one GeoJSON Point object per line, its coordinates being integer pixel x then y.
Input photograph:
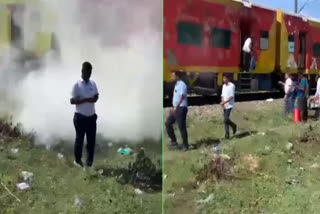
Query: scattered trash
{"type": "Point", "coordinates": [204, 201]}
{"type": "Point", "coordinates": [216, 149]}
{"type": "Point", "coordinates": [292, 181]}
{"type": "Point", "coordinates": [23, 186]}
{"type": "Point", "coordinates": [110, 144]}
{"type": "Point", "coordinates": [301, 168]}
{"type": "Point", "coordinates": [27, 176]}
{"type": "Point", "coordinates": [138, 191]}
{"type": "Point", "coordinates": [125, 151]}
{"type": "Point", "coordinates": [289, 161]}
{"type": "Point", "coordinates": [262, 133]}
{"type": "Point", "coordinates": [171, 195]}
{"type": "Point", "coordinates": [14, 150]}
{"type": "Point", "coordinates": [165, 176]}
{"type": "Point", "coordinates": [100, 171]}
{"type": "Point", "coordinates": [267, 148]}
{"type": "Point", "coordinates": [289, 146]}
{"type": "Point", "coordinates": [60, 156]}
{"type": "Point", "coordinates": [269, 100]}
{"type": "Point", "coordinates": [78, 201]}
{"type": "Point", "coordinates": [315, 165]}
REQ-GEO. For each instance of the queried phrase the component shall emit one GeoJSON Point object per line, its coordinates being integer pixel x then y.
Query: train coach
{"type": "Point", "coordinates": [204, 38]}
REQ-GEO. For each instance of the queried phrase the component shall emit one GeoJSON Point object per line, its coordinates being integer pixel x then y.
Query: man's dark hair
{"type": "Point", "coordinates": [178, 73]}
{"type": "Point", "coordinates": [86, 66]}
{"type": "Point", "coordinates": [228, 76]}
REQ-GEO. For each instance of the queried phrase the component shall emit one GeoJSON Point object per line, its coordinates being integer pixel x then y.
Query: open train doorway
{"type": "Point", "coordinates": [302, 51]}
{"type": "Point", "coordinates": [245, 33]}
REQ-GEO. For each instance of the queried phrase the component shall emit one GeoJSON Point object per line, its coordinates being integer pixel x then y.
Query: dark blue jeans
{"type": "Point", "coordinates": [180, 116]}
{"type": "Point", "coordinates": [227, 121]}
{"type": "Point", "coordinates": [85, 126]}
{"type": "Point", "coordinates": [289, 103]}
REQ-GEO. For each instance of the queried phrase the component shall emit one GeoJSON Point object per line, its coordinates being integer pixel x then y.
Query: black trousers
{"type": "Point", "coordinates": [303, 107]}
{"type": "Point", "coordinates": [227, 121]}
{"type": "Point", "coordinates": [180, 116]}
{"type": "Point", "coordinates": [246, 61]}
{"type": "Point", "coordinates": [85, 126]}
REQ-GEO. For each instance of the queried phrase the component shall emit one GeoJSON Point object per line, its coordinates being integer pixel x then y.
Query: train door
{"type": "Point", "coordinates": [245, 33]}
{"type": "Point", "coordinates": [302, 51]}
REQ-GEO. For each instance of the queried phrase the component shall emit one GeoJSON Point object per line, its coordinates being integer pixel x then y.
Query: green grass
{"type": "Point", "coordinates": [57, 183]}
{"type": "Point", "coordinates": [263, 190]}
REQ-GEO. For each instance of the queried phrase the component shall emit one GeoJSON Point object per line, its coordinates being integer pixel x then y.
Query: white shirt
{"type": "Point", "coordinates": [318, 88]}
{"type": "Point", "coordinates": [287, 85]}
{"type": "Point", "coordinates": [180, 89]}
{"type": "Point", "coordinates": [247, 45]}
{"type": "Point", "coordinates": [82, 90]}
{"type": "Point", "coordinates": [227, 92]}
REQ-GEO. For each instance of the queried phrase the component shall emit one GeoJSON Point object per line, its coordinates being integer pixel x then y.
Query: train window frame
{"type": "Point", "coordinates": [264, 40]}
{"type": "Point", "coordinates": [291, 44]}
{"type": "Point", "coordinates": [182, 28]}
{"type": "Point", "coordinates": [226, 44]}
{"type": "Point", "coordinates": [316, 53]}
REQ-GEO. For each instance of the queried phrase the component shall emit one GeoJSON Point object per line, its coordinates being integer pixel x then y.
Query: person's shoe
{"type": "Point", "coordinates": [173, 145]}
{"type": "Point", "coordinates": [78, 165]}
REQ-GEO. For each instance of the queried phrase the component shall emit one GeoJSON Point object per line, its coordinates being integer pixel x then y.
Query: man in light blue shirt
{"type": "Point", "coordinates": [178, 112]}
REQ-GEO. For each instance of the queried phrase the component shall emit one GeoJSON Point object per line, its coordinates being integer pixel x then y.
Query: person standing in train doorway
{"type": "Point", "coordinates": [179, 112]}
{"type": "Point", "coordinates": [227, 103]}
{"type": "Point", "coordinates": [247, 54]}
{"type": "Point", "coordinates": [84, 96]}
{"type": "Point", "coordinates": [302, 96]}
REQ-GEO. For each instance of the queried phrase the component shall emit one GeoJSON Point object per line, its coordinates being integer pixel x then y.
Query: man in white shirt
{"type": "Point", "coordinates": [178, 112]}
{"type": "Point", "coordinates": [84, 96]}
{"type": "Point", "coordinates": [289, 94]}
{"type": "Point", "coordinates": [247, 50]}
{"type": "Point", "coordinates": [227, 103]}
{"type": "Point", "coordinates": [316, 99]}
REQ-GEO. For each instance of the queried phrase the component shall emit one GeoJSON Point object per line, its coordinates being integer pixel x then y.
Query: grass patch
{"type": "Point", "coordinates": [264, 174]}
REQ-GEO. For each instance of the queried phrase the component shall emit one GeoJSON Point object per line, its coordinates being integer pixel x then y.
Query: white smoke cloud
{"type": "Point", "coordinates": [123, 41]}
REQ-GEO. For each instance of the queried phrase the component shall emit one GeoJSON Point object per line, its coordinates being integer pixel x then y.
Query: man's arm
{"type": "Point", "coordinates": [180, 100]}
{"type": "Point", "coordinates": [93, 99]}
{"type": "Point", "coordinates": [226, 101]}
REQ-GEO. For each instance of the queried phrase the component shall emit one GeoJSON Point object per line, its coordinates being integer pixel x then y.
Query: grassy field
{"type": "Point", "coordinates": [274, 170]}
{"type": "Point", "coordinates": [56, 183]}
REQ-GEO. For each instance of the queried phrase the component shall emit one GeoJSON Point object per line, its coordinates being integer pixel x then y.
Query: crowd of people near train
{"type": "Point", "coordinates": [296, 88]}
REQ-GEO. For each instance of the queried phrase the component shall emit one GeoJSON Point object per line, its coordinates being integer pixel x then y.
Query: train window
{"type": "Point", "coordinates": [291, 45]}
{"type": "Point", "coordinates": [316, 50]}
{"type": "Point", "coordinates": [264, 40]}
{"type": "Point", "coordinates": [220, 38]}
{"type": "Point", "coordinates": [189, 33]}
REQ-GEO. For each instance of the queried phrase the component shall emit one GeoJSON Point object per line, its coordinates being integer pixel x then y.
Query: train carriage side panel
{"type": "Point", "coordinates": [5, 29]}
{"type": "Point", "coordinates": [313, 56]}
{"type": "Point", "coordinates": [292, 27]}
{"type": "Point", "coordinates": [264, 25]}
{"type": "Point", "coordinates": [201, 37]}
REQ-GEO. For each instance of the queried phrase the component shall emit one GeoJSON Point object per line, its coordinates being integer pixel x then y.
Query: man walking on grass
{"type": "Point", "coordinates": [227, 103]}
{"type": "Point", "coordinates": [84, 96]}
{"type": "Point", "coordinates": [178, 112]}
